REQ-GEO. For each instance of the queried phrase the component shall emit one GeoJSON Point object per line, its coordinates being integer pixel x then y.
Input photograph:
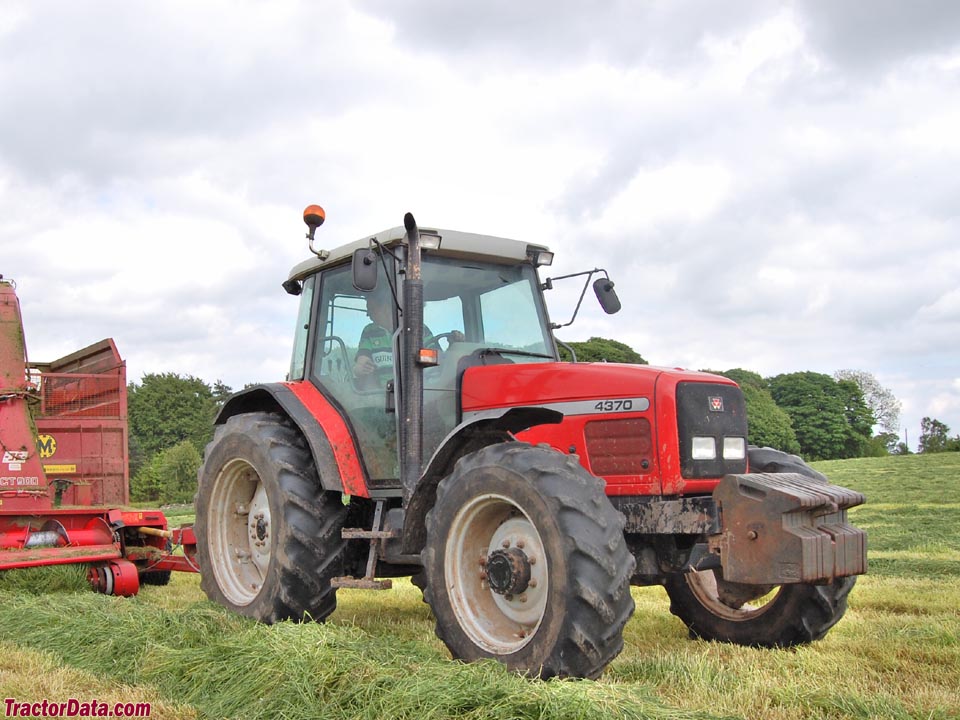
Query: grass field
{"type": "Point", "coordinates": [896, 654]}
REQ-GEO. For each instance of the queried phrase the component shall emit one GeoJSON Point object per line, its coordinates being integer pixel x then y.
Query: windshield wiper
{"type": "Point", "coordinates": [508, 351]}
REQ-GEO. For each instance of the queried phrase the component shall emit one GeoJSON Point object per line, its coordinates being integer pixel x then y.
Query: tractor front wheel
{"type": "Point", "coordinates": [268, 535]}
{"type": "Point", "coordinates": [762, 616]}
{"type": "Point", "coordinates": [526, 563]}
{"type": "Point", "coordinates": [759, 616]}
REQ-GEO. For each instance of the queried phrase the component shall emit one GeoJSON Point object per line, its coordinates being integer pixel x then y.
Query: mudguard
{"type": "Point", "coordinates": [328, 437]}
{"type": "Point", "coordinates": [486, 428]}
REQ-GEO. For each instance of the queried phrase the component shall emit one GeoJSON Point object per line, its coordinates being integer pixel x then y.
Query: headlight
{"type": "Point", "coordinates": [734, 448]}
{"type": "Point", "coordinates": [704, 448]}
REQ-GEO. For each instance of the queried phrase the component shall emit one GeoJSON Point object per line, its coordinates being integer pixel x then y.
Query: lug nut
{"type": "Point", "coordinates": [505, 544]}
{"type": "Point", "coordinates": [483, 562]}
{"type": "Point", "coordinates": [532, 583]}
{"type": "Point", "coordinates": [532, 559]}
{"type": "Point", "coordinates": [483, 576]}
{"type": "Point", "coordinates": [523, 598]}
{"type": "Point", "coordinates": [752, 534]}
{"type": "Point", "coordinates": [520, 544]}
{"type": "Point", "coordinates": [508, 597]}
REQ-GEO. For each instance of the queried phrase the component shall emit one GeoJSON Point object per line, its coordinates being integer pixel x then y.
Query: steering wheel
{"type": "Point", "coordinates": [451, 337]}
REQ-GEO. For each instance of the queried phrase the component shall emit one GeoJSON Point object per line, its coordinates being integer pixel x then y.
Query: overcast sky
{"type": "Point", "coordinates": [772, 186]}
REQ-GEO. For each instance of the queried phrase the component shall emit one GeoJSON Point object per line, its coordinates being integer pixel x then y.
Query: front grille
{"type": "Point", "coordinates": [709, 410]}
{"type": "Point", "coordinates": [619, 447]}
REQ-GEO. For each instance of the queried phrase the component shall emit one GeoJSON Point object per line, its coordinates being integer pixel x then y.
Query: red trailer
{"type": "Point", "coordinates": [63, 468]}
{"type": "Point", "coordinates": [82, 426]}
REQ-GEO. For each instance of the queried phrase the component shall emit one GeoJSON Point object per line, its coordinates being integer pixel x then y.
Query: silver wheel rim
{"type": "Point", "coordinates": [498, 623]}
{"type": "Point", "coordinates": [241, 531]}
{"type": "Point", "coordinates": [703, 584]}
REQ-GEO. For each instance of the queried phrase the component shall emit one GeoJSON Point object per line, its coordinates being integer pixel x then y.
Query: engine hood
{"type": "Point", "coordinates": [510, 385]}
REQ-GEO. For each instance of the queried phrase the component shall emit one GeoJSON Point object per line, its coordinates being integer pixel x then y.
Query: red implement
{"type": "Point", "coordinates": [60, 471]}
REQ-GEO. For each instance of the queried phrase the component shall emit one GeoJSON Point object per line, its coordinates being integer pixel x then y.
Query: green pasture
{"type": "Point", "coordinates": [896, 654]}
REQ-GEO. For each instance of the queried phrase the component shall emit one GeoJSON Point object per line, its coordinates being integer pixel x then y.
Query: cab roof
{"type": "Point", "coordinates": [453, 243]}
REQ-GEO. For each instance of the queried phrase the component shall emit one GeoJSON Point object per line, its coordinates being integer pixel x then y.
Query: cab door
{"type": "Point", "coordinates": [342, 321]}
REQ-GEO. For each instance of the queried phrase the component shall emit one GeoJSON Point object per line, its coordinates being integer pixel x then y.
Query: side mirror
{"type": "Point", "coordinates": [607, 296]}
{"type": "Point", "coordinates": [365, 269]}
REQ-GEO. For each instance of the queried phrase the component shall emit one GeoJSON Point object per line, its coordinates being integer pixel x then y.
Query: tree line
{"type": "Point", "coordinates": [820, 417]}
{"type": "Point", "coordinates": [170, 418]}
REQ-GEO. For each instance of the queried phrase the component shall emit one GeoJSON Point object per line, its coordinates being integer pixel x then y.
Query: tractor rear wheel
{"type": "Point", "coordinates": [268, 535]}
{"type": "Point", "coordinates": [526, 563]}
{"type": "Point", "coordinates": [759, 615]}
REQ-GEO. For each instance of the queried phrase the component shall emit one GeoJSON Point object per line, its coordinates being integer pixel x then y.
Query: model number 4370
{"type": "Point", "coordinates": [614, 405]}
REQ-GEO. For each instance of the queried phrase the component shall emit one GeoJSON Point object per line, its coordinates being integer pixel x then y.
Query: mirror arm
{"type": "Point", "coordinates": [548, 284]}
{"type": "Point", "coordinates": [568, 348]}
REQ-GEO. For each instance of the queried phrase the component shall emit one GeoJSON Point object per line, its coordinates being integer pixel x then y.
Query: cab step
{"type": "Point", "coordinates": [376, 535]}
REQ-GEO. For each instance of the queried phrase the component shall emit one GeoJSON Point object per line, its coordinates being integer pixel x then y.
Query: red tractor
{"type": "Point", "coordinates": [428, 428]}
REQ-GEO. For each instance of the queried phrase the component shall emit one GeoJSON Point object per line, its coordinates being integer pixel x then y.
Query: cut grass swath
{"type": "Point", "coordinates": [227, 666]}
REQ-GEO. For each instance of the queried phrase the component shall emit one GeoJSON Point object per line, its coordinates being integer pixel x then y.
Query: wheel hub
{"type": "Point", "coordinates": [261, 529]}
{"type": "Point", "coordinates": [508, 571]}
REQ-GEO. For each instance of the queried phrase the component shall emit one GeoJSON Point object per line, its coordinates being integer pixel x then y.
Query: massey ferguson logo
{"type": "Point", "coordinates": [716, 404]}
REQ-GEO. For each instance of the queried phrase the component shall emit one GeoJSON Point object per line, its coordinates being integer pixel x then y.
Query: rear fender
{"type": "Point", "coordinates": [327, 435]}
{"type": "Point", "coordinates": [484, 428]}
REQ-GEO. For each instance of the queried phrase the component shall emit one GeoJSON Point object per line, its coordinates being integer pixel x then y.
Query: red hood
{"type": "Point", "coordinates": [494, 386]}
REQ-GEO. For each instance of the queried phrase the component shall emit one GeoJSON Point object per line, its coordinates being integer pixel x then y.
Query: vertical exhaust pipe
{"type": "Point", "coordinates": [411, 436]}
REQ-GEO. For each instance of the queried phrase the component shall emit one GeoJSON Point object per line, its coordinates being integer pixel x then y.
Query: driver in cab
{"type": "Point", "coordinates": [373, 364]}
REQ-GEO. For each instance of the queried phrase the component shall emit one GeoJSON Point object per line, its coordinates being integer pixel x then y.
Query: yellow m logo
{"type": "Point", "coordinates": [47, 445]}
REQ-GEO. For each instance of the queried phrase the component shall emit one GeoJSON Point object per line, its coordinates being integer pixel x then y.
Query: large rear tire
{"type": "Point", "coordinates": [526, 563]}
{"type": "Point", "coordinates": [268, 535]}
{"type": "Point", "coordinates": [755, 615]}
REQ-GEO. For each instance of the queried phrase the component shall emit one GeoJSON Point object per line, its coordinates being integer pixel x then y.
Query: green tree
{"type": "Point", "coordinates": [169, 477]}
{"type": "Point", "coordinates": [768, 425]}
{"type": "Point", "coordinates": [598, 349]}
{"type": "Point", "coordinates": [178, 472]}
{"type": "Point", "coordinates": [881, 401]}
{"type": "Point", "coordinates": [935, 437]}
{"type": "Point", "coordinates": [146, 485]}
{"type": "Point", "coordinates": [221, 393]}
{"type": "Point", "coordinates": [167, 408]}
{"type": "Point", "coordinates": [886, 443]}
{"type": "Point", "coordinates": [901, 448]}
{"type": "Point", "coordinates": [744, 378]}
{"type": "Point", "coordinates": [860, 419]}
{"type": "Point", "coordinates": [827, 417]}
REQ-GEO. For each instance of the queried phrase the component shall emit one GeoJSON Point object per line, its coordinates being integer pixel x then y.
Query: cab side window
{"type": "Point", "coordinates": [340, 349]}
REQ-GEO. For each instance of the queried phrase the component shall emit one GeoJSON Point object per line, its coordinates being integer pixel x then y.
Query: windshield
{"type": "Point", "coordinates": [497, 306]}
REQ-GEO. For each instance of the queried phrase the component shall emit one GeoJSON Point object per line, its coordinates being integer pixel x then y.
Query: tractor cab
{"type": "Point", "coordinates": [482, 305]}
